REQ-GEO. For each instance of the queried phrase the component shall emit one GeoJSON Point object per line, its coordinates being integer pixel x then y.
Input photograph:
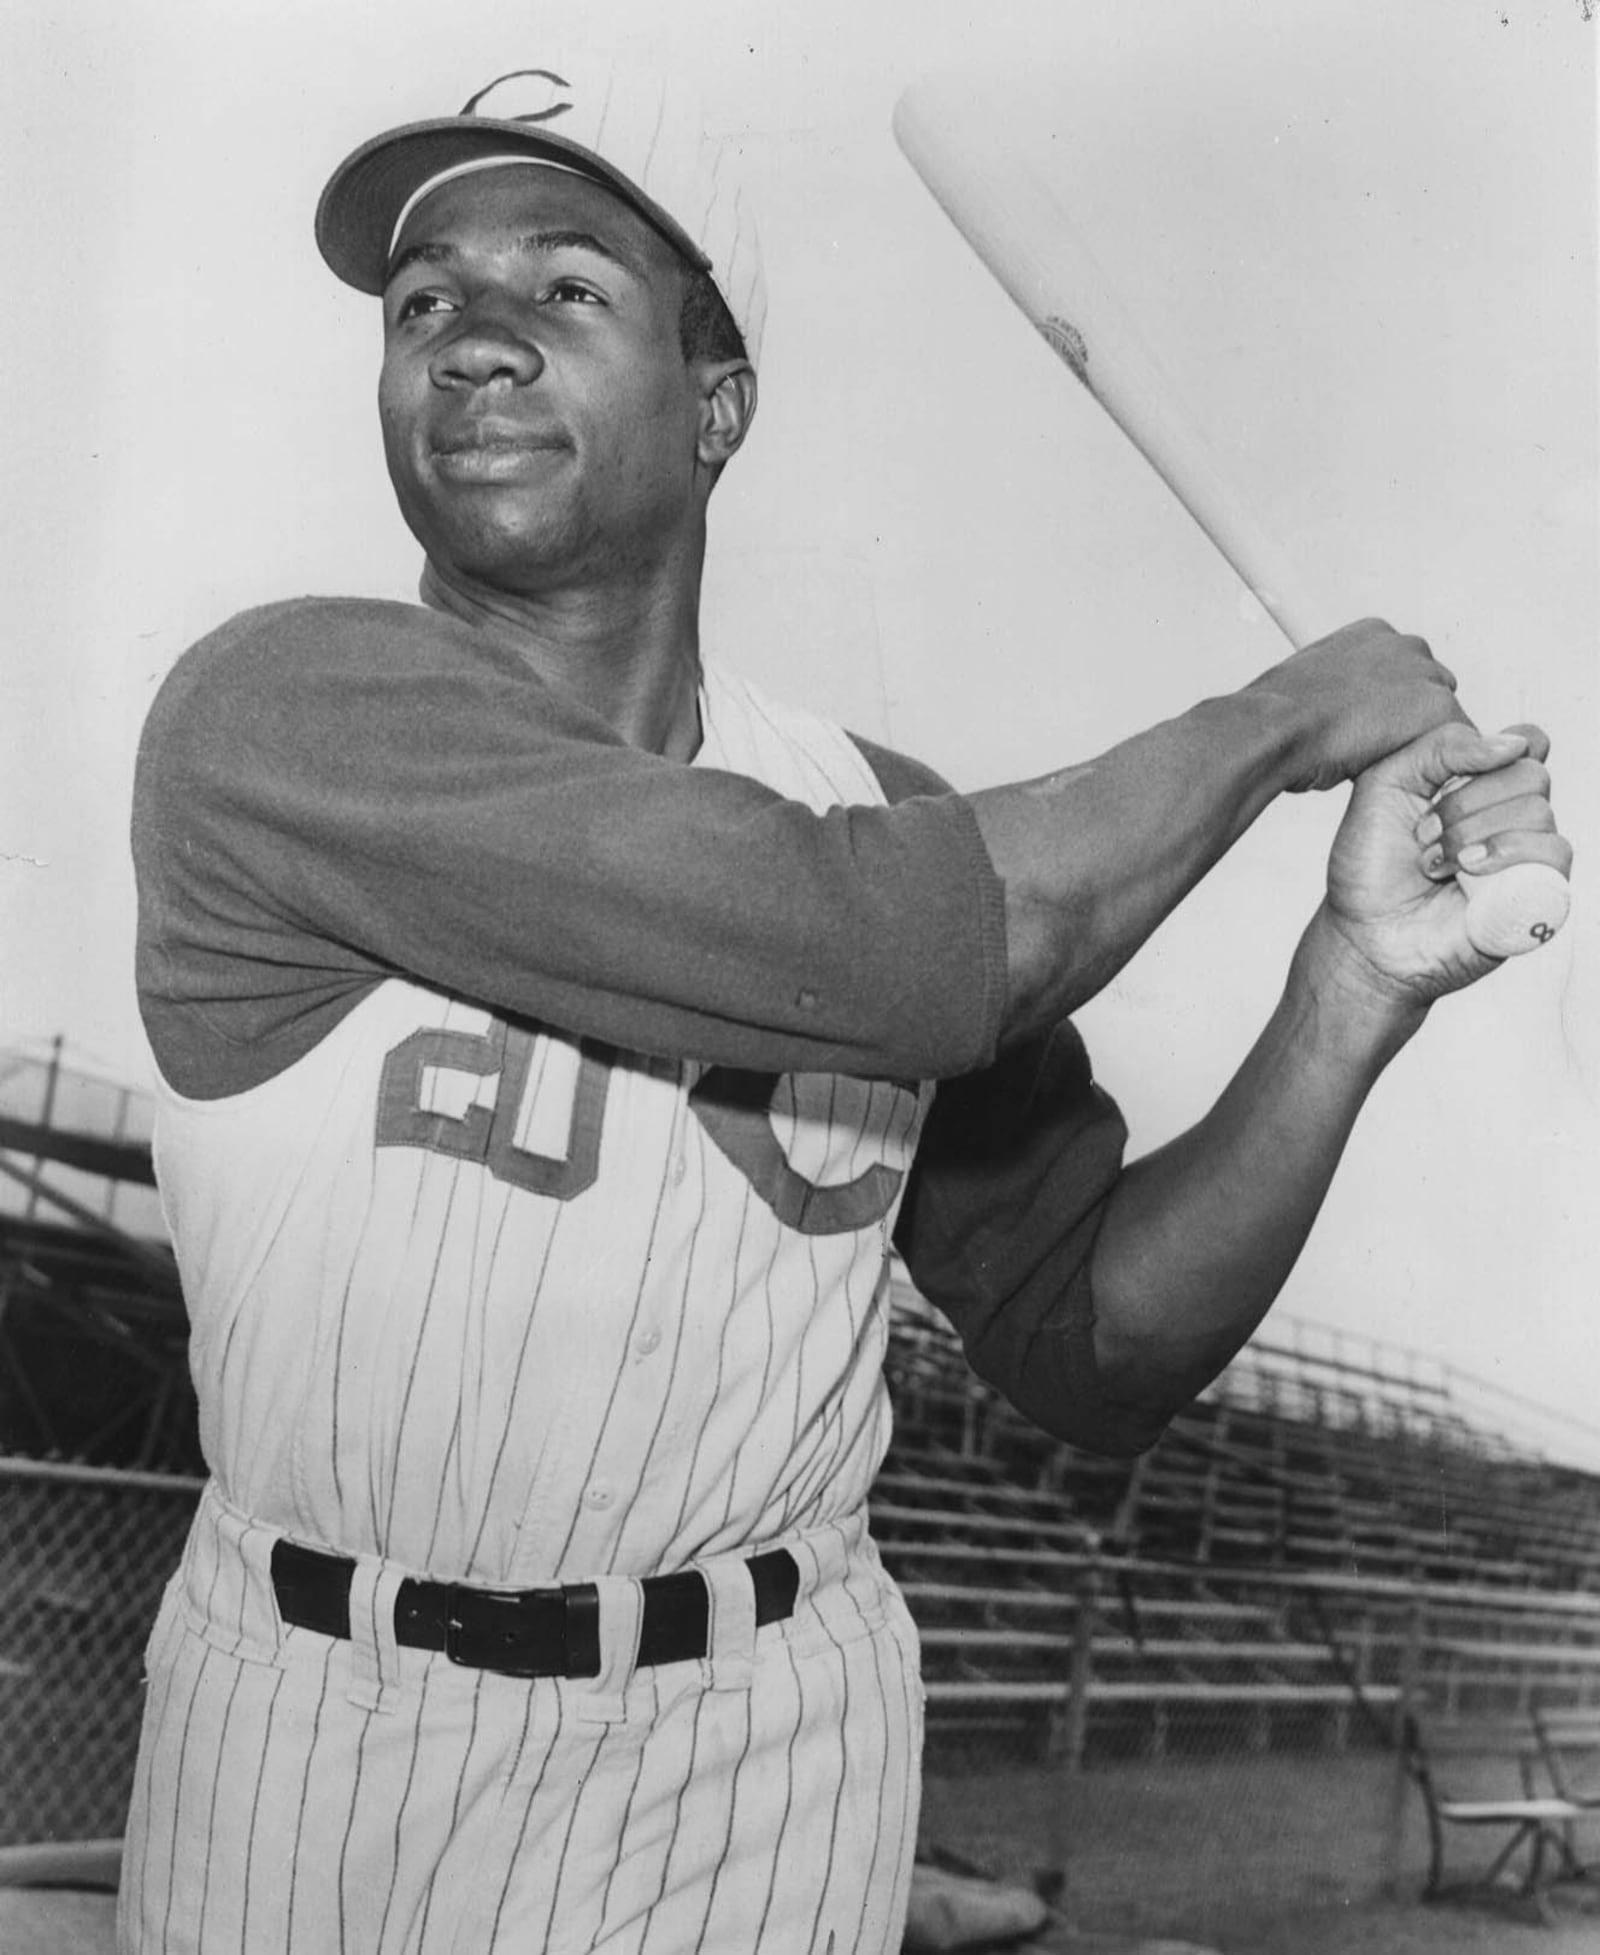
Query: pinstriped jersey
{"type": "Point", "coordinates": [508, 1305]}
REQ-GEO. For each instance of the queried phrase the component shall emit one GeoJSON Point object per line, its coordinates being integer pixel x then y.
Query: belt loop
{"type": "Point", "coordinates": [227, 1580]}
{"type": "Point", "coordinates": [602, 1699]}
{"type": "Point", "coordinates": [374, 1653]}
{"type": "Point", "coordinates": [260, 1632]}
{"type": "Point", "coordinates": [731, 1631]}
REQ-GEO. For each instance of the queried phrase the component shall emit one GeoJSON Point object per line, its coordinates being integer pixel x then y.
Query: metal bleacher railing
{"type": "Point", "coordinates": [1335, 1379]}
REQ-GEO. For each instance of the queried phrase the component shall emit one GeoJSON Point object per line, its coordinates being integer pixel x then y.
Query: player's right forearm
{"type": "Point", "coordinates": [1094, 857]}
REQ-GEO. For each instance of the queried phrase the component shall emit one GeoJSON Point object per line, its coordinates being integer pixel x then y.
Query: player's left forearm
{"type": "Point", "coordinates": [1199, 1237]}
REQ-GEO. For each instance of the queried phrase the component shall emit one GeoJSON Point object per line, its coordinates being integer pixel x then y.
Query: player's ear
{"type": "Point", "coordinates": [727, 407]}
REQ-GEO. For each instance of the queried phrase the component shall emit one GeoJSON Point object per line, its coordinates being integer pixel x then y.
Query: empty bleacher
{"type": "Point", "coordinates": [1314, 1536]}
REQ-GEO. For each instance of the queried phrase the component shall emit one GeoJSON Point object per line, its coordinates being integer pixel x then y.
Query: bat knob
{"type": "Point", "coordinates": [1516, 910]}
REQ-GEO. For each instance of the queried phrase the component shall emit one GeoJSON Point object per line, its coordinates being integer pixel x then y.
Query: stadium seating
{"type": "Point", "coordinates": [1259, 1565]}
{"type": "Point", "coordinates": [1406, 1488]}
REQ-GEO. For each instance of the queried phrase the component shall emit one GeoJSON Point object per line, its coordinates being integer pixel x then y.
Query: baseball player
{"type": "Point", "coordinates": [555, 1033]}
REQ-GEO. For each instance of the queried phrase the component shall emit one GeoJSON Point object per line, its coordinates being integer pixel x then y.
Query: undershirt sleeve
{"type": "Point", "coordinates": [998, 1224]}
{"type": "Point", "coordinates": [332, 792]}
{"type": "Point", "coordinates": [1003, 1207]}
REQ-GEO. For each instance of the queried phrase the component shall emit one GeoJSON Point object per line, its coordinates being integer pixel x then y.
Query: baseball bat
{"type": "Point", "coordinates": [1017, 223]}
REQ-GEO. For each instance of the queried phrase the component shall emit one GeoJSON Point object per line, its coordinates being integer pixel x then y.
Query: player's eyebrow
{"type": "Point", "coordinates": [531, 244]}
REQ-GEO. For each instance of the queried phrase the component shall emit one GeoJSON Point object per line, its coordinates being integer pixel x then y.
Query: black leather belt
{"type": "Point", "coordinates": [528, 1632]}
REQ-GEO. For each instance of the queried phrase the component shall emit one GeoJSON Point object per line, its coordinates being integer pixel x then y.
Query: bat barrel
{"type": "Point", "coordinates": [954, 135]}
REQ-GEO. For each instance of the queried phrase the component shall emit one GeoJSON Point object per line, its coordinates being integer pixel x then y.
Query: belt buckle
{"type": "Point", "coordinates": [500, 1629]}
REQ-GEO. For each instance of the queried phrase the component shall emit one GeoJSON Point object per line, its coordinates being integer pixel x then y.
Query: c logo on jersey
{"type": "Point", "coordinates": [736, 1109]}
{"type": "Point", "coordinates": [427, 1098]}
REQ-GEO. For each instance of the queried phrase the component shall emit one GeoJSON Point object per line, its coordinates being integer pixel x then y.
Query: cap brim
{"type": "Point", "coordinates": [364, 197]}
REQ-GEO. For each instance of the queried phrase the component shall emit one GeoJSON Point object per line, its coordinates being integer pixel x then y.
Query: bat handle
{"type": "Point", "coordinates": [1509, 913]}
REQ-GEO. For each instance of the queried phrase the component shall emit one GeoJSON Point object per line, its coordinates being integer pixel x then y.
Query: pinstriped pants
{"type": "Point", "coordinates": [298, 1793]}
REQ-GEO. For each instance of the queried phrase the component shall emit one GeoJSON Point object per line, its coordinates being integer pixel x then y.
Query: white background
{"type": "Point", "coordinates": [1360, 238]}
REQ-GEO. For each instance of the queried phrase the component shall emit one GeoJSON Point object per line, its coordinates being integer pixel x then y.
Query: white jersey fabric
{"type": "Point", "coordinates": [475, 1301]}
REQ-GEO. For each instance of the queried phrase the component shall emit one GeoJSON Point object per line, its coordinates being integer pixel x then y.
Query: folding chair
{"type": "Point", "coordinates": [1532, 1827]}
{"type": "Point", "coordinates": [1569, 1748]}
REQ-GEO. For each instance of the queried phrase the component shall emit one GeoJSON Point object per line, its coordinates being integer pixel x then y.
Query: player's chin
{"type": "Point", "coordinates": [507, 541]}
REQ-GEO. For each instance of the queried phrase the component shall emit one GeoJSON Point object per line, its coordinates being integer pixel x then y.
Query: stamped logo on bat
{"type": "Point", "coordinates": [1068, 344]}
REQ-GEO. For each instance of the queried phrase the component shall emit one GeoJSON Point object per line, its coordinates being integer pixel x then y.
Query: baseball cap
{"type": "Point", "coordinates": [643, 135]}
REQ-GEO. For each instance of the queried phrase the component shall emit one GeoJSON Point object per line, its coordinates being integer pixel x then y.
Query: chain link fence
{"type": "Point", "coordinates": [84, 1555]}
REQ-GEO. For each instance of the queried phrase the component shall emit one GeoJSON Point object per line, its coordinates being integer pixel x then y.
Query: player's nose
{"type": "Point", "coordinates": [488, 346]}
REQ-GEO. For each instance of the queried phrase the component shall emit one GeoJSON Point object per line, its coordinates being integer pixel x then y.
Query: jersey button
{"type": "Point", "coordinates": [680, 1170]}
{"type": "Point", "coordinates": [599, 1495]}
{"type": "Point", "coordinates": [647, 1341]}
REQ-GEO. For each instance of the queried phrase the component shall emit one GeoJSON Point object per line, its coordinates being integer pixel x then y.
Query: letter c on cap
{"type": "Point", "coordinates": [550, 107]}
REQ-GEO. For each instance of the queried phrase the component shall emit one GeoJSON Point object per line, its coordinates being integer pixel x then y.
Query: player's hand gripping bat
{"type": "Point", "coordinates": [1018, 225]}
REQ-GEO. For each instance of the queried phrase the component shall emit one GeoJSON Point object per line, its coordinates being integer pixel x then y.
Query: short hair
{"type": "Point", "coordinates": [705, 325]}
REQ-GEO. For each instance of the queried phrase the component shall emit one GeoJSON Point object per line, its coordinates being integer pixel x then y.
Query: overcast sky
{"type": "Point", "coordinates": [1360, 239]}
